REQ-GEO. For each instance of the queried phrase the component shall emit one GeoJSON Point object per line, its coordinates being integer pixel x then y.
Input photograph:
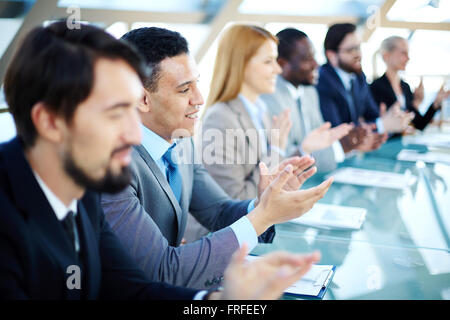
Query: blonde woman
{"type": "Point", "coordinates": [390, 88]}
{"type": "Point", "coordinates": [237, 133]}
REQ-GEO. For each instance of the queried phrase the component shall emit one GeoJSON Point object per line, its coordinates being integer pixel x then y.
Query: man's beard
{"type": "Point", "coordinates": [349, 68]}
{"type": "Point", "coordinates": [110, 183]}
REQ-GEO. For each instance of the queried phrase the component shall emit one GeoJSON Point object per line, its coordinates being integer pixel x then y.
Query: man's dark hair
{"type": "Point", "coordinates": [336, 33]}
{"type": "Point", "coordinates": [287, 39]}
{"type": "Point", "coordinates": [155, 45]}
{"type": "Point", "coordinates": [55, 65]}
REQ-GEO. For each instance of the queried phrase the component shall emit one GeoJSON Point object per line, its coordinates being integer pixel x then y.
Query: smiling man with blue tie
{"type": "Point", "coordinates": [149, 217]}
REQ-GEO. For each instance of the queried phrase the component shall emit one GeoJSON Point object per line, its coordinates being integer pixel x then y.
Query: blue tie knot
{"type": "Point", "coordinates": [170, 156]}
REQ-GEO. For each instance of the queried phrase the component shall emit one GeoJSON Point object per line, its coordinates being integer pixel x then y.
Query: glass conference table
{"type": "Point", "coordinates": [402, 249]}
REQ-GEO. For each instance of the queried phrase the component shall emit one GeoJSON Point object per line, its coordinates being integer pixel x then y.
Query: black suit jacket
{"type": "Point", "coordinates": [382, 91]}
{"type": "Point", "coordinates": [35, 251]}
{"type": "Point", "coordinates": [334, 102]}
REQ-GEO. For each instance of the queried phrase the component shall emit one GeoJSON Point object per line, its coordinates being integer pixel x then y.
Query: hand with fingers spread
{"type": "Point", "coordinates": [281, 125]}
{"type": "Point", "coordinates": [324, 136]}
{"type": "Point", "coordinates": [264, 278]}
{"type": "Point", "coordinates": [277, 205]}
{"type": "Point", "coordinates": [441, 96]}
{"type": "Point", "coordinates": [299, 164]}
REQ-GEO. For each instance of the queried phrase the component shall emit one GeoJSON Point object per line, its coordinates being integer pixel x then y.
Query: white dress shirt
{"type": "Point", "coordinates": [57, 205]}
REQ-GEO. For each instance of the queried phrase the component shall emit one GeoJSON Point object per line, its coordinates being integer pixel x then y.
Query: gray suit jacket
{"type": "Point", "coordinates": [232, 148]}
{"type": "Point", "coordinates": [150, 222]}
{"type": "Point", "coordinates": [282, 99]}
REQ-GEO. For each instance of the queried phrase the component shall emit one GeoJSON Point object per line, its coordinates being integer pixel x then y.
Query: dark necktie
{"type": "Point", "coordinates": [70, 225]}
{"type": "Point", "coordinates": [352, 102]}
{"type": "Point", "coordinates": [173, 173]}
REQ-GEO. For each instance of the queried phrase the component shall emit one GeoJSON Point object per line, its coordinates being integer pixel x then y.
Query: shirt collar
{"type": "Point", "coordinates": [346, 77]}
{"type": "Point", "coordinates": [155, 145]}
{"type": "Point", "coordinates": [292, 90]}
{"type": "Point", "coordinates": [254, 109]}
{"type": "Point", "coordinates": [57, 205]}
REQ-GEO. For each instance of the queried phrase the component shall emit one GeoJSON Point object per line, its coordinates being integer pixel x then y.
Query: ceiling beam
{"type": "Point", "coordinates": [376, 19]}
{"type": "Point", "coordinates": [110, 16]}
{"type": "Point", "coordinates": [227, 13]}
{"type": "Point", "coordinates": [443, 26]}
{"type": "Point", "coordinates": [38, 13]}
{"type": "Point", "coordinates": [267, 18]}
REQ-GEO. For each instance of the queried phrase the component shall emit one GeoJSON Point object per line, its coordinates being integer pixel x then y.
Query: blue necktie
{"type": "Point", "coordinates": [173, 174]}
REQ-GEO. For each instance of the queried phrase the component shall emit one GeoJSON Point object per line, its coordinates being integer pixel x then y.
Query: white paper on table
{"type": "Point", "coordinates": [311, 283]}
{"type": "Point", "coordinates": [430, 140]}
{"type": "Point", "coordinates": [428, 157]}
{"type": "Point", "coordinates": [373, 178]}
{"type": "Point", "coordinates": [328, 216]}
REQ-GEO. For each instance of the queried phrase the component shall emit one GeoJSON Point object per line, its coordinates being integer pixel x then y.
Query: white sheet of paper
{"type": "Point", "coordinates": [428, 157]}
{"type": "Point", "coordinates": [373, 178]}
{"type": "Point", "coordinates": [328, 216]}
{"type": "Point", "coordinates": [311, 283]}
{"type": "Point", "coordinates": [430, 140]}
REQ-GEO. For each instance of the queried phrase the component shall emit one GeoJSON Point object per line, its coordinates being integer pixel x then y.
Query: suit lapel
{"type": "Point", "coordinates": [49, 231]}
{"type": "Point", "coordinates": [89, 254]}
{"type": "Point", "coordinates": [187, 180]}
{"type": "Point", "coordinates": [162, 181]}
{"type": "Point", "coordinates": [297, 129]}
{"type": "Point", "coordinates": [336, 81]}
{"type": "Point", "coordinates": [246, 122]}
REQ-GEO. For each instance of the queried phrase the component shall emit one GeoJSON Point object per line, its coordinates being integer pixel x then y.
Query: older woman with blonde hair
{"type": "Point", "coordinates": [390, 88]}
{"type": "Point", "coordinates": [237, 134]}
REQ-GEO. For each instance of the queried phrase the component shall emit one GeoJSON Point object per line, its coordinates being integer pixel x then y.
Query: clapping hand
{"type": "Point", "coordinates": [266, 277]}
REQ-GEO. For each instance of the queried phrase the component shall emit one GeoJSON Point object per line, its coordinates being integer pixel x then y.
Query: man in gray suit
{"type": "Point", "coordinates": [295, 91]}
{"type": "Point", "coordinates": [168, 181]}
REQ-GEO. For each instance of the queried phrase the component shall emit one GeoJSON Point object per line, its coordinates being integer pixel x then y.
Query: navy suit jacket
{"type": "Point", "coordinates": [35, 250]}
{"type": "Point", "coordinates": [382, 91]}
{"type": "Point", "coordinates": [334, 102]}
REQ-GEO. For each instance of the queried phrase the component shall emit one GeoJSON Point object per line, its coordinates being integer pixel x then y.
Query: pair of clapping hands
{"type": "Point", "coordinates": [320, 138]}
{"type": "Point", "coordinates": [279, 200]}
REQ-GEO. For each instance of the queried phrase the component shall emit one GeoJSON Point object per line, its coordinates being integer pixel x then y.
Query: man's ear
{"type": "Point", "coordinates": [284, 64]}
{"type": "Point", "coordinates": [145, 103]}
{"type": "Point", "coordinates": [48, 125]}
{"type": "Point", "coordinates": [332, 57]}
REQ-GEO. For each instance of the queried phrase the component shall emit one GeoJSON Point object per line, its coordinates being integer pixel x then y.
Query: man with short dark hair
{"type": "Point", "coordinates": [295, 91]}
{"type": "Point", "coordinates": [76, 123]}
{"type": "Point", "coordinates": [169, 181]}
{"type": "Point", "coordinates": [344, 93]}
